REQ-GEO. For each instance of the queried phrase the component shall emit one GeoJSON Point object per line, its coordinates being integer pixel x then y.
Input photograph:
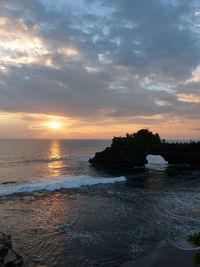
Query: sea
{"type": "Point", "coordinates": [60, 211]}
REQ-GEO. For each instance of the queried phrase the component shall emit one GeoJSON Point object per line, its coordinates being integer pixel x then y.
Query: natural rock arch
{"type": "Point", "coordinates": [131, 151]}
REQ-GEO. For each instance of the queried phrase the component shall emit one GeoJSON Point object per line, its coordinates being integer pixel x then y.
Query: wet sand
{"type": "Point", "coordinates": [165, 257]}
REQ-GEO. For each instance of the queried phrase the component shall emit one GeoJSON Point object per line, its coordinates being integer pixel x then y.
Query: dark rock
{"type": "Point", "coordinates": [13, 259]}
{"type": "Point", "coordinates": [5, 245]}
{"type": "Point", "coordinates": [184, 153]}
{"type": "Point", "coordinates": [120, 159]}
{"type": "Point", "coordinates": [131, 151]}
{"type": "Point", "coordinates": [1, 261]}
{"type": "Point", "coordinates": [3, 251]}
{"type": "Point", "coordinates": [8, 257]}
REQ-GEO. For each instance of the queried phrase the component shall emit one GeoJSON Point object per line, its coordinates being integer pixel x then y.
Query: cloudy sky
{"type": "Point", "coordinates": [98, 68]}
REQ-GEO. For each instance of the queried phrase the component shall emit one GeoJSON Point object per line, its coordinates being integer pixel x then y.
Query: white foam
{"type": "Point", "coordinates": [61, 182]}
{"type": "Point", "coordinates": [156, 162]}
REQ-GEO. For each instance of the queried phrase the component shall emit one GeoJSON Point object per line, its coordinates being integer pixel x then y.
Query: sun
{"type": "Point", "coordinates": [54, 124]}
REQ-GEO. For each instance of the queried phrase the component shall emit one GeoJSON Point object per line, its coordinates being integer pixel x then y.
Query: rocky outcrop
{"type": "Point", "coordinates": [131, 151]}
{"type": "Point", "coordinates": [127, 152]}
{"type": "Point", "coordinates": [8, 257]}
{"type": "Point", "coordinates": [120, 159]}
{"type": "Point", "coordinates": [184, 153]}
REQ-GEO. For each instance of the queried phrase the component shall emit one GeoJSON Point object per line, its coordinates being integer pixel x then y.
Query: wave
{"type": "Point", "coordinates": [156, 162]}
{"type": "Point", "coordinates": [61, 182]}
{"type": "Point", "coordinates": [44, 160]}
{"type": "Point", "coordinates": [38, 160]}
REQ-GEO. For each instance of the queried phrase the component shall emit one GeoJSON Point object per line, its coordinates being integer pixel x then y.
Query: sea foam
{"type": "Point", "coordinates": [58, 183]}
{"type": "Point", "coordinates": [156, 162]}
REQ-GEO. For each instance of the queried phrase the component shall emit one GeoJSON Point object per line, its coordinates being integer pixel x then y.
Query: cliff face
{"type": "Point", "coordinates": [118, 158]}
{"type": "Point", "coordinates": [185, 153]}
{"type": "Point", "coordinates": [131, 151]}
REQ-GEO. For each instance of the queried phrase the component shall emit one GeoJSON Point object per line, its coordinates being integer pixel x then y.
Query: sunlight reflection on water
{"type": "Point", "coordinates": [56, 164]}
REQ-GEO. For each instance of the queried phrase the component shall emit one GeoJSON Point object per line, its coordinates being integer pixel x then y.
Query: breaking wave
{"type": "Point", "coordinates": [58, 183]}
{"type": "Point", "coordinates": [156, 162]}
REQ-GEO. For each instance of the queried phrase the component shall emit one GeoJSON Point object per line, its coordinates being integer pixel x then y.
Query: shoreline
{"type": "Point", "coordinates": [165, 256]}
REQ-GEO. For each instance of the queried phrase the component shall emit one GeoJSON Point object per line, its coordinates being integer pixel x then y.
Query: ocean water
{"type": "Point", "coordinates": [60, 211]}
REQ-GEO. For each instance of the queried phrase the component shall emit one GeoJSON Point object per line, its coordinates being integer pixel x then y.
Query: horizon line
{"type": "Point", "coordinates": [90, 139]}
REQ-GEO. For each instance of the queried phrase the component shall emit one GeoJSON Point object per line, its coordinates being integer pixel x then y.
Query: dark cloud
{"type": "Point", "coordinates": [133, 58]}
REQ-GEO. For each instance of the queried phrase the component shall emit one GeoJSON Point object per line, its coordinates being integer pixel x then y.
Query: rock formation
{"type": "Point", "coordinates": [8, 257]}
{"type": "Point", "coordinates": [131, 151]}
{"type": "Point", "coordinates": [182, 153]}
{"type": "Point", "coordinates": [118, 158]}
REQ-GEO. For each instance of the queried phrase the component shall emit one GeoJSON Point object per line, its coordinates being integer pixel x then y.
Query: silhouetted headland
{"type": "Point", "coordinates": [131, 151]}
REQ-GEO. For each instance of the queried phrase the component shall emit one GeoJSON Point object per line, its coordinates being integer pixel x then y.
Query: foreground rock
{"type": "Point", "coordinates": [8, 257]}
{"type": "Point", "coordinates": [131, 151]}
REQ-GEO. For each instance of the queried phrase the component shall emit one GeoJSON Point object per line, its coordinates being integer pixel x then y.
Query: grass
{"type": "Point", "coordinates": [196, 258]}
{"type": "Point", "coordinates": [194, 239]}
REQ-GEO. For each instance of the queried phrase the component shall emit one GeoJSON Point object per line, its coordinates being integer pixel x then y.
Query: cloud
{"type": "Point", "coordinates": [100, 60]}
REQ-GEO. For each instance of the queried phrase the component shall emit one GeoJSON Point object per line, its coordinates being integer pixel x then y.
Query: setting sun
{"type": "Point", "coordinates": [55, 125]}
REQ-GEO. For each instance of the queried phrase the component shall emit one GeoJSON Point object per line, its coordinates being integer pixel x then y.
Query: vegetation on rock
{"type": "Point", "coordinates": [143, 140]}
{"type": "Point", "coordinates": [194, 239]}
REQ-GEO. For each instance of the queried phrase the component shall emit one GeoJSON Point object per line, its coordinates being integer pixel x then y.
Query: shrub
{"type": "Point", "coordinates": [143, 140]}
{"type": "Point", "coordinates": [194, 239]}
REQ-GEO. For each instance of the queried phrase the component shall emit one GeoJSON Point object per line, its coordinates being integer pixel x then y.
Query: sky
{"type": "Point", "coordinates": [99, 68]}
